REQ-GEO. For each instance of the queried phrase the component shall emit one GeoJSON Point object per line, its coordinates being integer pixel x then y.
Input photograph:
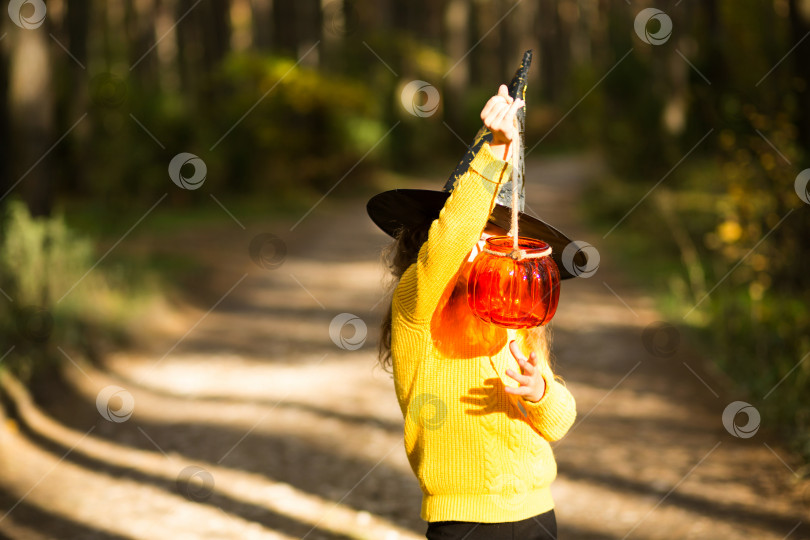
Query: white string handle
{"type": "Point", "coordinates": [514, 158]}
{"type": "Point", "coordinates": [516, 253]}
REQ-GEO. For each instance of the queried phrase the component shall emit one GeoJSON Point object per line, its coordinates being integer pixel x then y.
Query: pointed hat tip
{"type": "Point", "coordinates": [517, 87]}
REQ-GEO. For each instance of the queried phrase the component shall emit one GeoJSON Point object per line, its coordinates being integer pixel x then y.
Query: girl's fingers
{"type": "Point", "coordinates": [519, 391]}
{"type": "Point", "coordinates": [498, 110]}
{"type": "Point", "coordinates": [527, 367]}
{"type": "Point", "coordinates": [508, 118]}
{"type": "Point", "coordinates": [490, 104]}
{"type": "Point", "coordinates": [500, 99]}
{"type": "Point", "coordinates": [522, 379]}
{"type": "Point", "coordinates": [491, 112]}
{"type": "Point", "coordinates": [489, 121]}
{"type": "Point", "coordinates": [504, 122]}
{"type": "Point", "coordinates": [500, 122]}
{"type": "Point", "coordinates": [513, 348]}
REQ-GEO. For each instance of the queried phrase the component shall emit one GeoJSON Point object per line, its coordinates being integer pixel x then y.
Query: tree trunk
{"type": "Point", "coordinates": [285, 35]}
{"type": "Point", "coordinates": [262, 24]}
{"type": "Point", "coordinates": [548, 24]}
{"type": "Point", "coordinates": [456, 22]}
{"type": "Point", "coordinates": [483, 58]}
{"type": "Point", "coordinates": [73, 102]}
{"type": "Point", "coordinates": [309, 31]}
{"type": "Point", "coordinates": [216, 28]}
{"type": "Point", "coordinates": [139, 25]}
{"type": "Point", "coordinates": [507, 59]}
{"type": "Point", "coordinates": [189, 48]}
{"type": "Point", "coordinates": [32, 123]}
{"type": "Point", "coordinates": [799, 27]}
{"type": "Point", "coordinates": [5, 154]}
{"type": "Point", "coordinates": [715, 64]}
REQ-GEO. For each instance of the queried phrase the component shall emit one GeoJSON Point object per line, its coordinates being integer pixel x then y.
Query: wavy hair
{"type": "Point", "coordinates": [401, 253]}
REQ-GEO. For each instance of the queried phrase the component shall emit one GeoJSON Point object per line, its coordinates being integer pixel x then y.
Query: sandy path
{"type": "Point", "coordinates": [249, 421]}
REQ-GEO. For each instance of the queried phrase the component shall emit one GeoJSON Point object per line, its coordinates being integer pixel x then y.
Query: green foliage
{"type": "Point", "coordinates": [41, 256]}
{"type": "Point", "coordinates": [755, 324]}
{"type": "Point", "coordinates": [54, 292]}
{"type": "Point", "coordinates": [305, 128]}
{"type": "Point", "coordinates": [262, 124]}
{"type": "Point", "coordinates": [730, 247]}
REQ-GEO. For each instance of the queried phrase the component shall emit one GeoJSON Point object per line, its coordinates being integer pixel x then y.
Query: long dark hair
{"type": "Point", "coordinates": [401, 253]}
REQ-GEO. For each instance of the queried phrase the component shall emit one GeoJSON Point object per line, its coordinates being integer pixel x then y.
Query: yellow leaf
{"type": "Point", "coordinates": [729, 231]}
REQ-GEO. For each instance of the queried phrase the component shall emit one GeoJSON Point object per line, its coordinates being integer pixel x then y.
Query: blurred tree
{"type": "Point", "coordinates": [310, 24]}
{"type": "Point", "coordinates": [799, 14]}
{"type": "Point", "coordinates": [5, 150]}
{"type": "Point", "coordinates": [203, 40]}
{"type": "Point", "coordinates": [262, 17]}
{"type": "Point", "coordinates": [140, 21]}
{"type": "Point", "coordinates": [31, 104]}
{"type": "Point", "coordinates": [553, 49]}
{"type": "Point", "coordinates": [72, 94]}
{"type": "Point", "coordinates": [285, 28]}
{"type": "Point", "coordinates": [457, 35]}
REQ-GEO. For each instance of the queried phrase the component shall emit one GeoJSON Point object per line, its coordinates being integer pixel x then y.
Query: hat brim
{"type": "Point", "coordinates": [410, 208]}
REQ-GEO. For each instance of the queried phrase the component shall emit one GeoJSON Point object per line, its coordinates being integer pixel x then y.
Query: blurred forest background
{"type": "Point", "coordinates": [704, 133]}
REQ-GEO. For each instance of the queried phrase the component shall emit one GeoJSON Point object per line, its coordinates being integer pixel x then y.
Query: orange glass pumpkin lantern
{"type": "Point", "coordinates": [514, 289]}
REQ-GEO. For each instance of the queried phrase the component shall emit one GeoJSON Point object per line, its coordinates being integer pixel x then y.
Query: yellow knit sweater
{"type": "Point", "coordinates": [479, 453]}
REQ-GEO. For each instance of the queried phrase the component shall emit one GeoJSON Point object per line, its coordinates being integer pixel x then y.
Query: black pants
{"type": "Point", "coordinates": [540, 527]}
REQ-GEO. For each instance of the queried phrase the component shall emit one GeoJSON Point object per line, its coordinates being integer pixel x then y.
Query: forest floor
{"type": "Point", "coordinates": [249, 422]}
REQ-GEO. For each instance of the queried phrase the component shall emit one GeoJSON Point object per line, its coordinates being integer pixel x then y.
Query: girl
{"type": "Point", "coordinates": [480, 402]}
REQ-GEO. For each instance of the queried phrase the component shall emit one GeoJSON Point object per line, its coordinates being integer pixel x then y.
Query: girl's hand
{"type": "Point", "coordinates": [532, 385]}
{"type": "Point", "coordinates": [499, 117]}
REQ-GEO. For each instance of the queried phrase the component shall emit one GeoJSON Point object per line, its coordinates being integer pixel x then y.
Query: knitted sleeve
{"type": "Point", "coordinates": [452, 235]}
{"type": "Point", "coordinates": [553, 415]}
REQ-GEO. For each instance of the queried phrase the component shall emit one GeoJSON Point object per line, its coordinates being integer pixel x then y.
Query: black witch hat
{"type": "Point", "coordinates": [406, 208]}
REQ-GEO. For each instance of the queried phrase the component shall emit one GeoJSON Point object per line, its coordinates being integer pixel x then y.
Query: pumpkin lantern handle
{"type": "Point", "coordinates": [516, 254]}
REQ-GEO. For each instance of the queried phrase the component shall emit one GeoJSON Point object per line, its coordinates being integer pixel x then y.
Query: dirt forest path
{"type": "Point", "coordinates": [249, 421]}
